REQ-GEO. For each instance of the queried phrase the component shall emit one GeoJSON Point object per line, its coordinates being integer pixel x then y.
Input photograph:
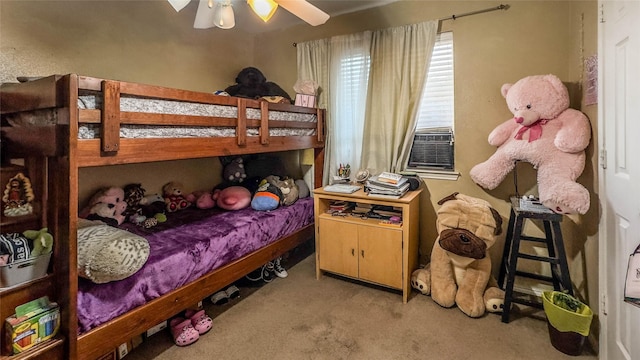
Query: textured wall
{"type": "Point", "coordinates": [139, 41]}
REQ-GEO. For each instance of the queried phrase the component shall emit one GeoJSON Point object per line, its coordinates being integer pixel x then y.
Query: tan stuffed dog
{"type": "Point", "coordinates": [460, 269]}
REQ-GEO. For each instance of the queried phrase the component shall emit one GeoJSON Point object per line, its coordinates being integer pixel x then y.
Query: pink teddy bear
{"type": "Point", "coordinates": [545, 132]}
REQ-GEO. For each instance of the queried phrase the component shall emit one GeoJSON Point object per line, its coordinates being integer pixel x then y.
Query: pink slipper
{"type": "Point", "coordinates": [183, 332]}
{"type": "Point", "coordinates": [200, 320]}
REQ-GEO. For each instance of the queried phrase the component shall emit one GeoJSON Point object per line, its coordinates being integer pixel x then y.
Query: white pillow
{"type": "Point", "coordinates": [106, 253]}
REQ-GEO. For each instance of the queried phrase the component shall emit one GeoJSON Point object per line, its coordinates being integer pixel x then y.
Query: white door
{"type": "Point", "coordinates": [619, 135]}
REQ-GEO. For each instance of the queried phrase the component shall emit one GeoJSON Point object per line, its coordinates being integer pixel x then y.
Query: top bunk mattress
{"type": "Point", "coordinates": [192, 243]}
{"type": "Point", "coordinates": [93, 100]}
{"type": "Point", "coordinates": [88, 100]}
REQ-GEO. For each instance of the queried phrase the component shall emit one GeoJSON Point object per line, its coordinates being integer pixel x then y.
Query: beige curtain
{"type": "Point", "coordinates": [313, 64]}
{"type": "Point", "coordinates": [371, 120]}
{"type": "Point", "coordinates": [400, 59]}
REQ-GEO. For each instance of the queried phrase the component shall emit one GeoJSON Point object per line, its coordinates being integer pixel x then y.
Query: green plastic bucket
{"type": "Point", "coordinates": [569, 321]}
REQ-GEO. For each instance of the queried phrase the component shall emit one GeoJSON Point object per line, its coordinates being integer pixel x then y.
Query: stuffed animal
{"type": "Point", "coordinates": [251, 83]}
{"type": "Point", "coordinates": [303, 189]}
{"type": "Point", "coordinates": [202, 199]}
{"type": "Point", "coordinates": [234, 171]}
{"type": "Point", "coordinates": [133, 193]}
{"type": "Point", "coordinates": [545, 133]}
{"type": "Point", "coordinates": [232, 197]}
{"type": "Point", "coordinates": [267, 197]}
{"type": "Point", "coordinates": [152, 211]}
{"type": "Point", "coordinates": [460, 269]}
{"type": "Point", "coordinates": [107, 205]}
{"type": "Point", "coordinates": [42, 241]}
{"type": "Point", "coordinates": [287, 187]}
{"type": "Point", "coordinates": [173, 197]}
{"type": "Point", "coordinates": [421, 280]}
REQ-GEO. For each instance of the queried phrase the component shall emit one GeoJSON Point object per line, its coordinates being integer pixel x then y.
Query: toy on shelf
{"type": "Point", "coordinates": [18, 196]}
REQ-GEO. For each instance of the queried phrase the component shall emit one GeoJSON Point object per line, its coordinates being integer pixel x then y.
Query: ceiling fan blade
{"type": "Point", "coordinates": [205, 15]}
{"type": "Point", "coordinates": [305, 11]}
{"type": "Point", "coordinates": [179, 4]}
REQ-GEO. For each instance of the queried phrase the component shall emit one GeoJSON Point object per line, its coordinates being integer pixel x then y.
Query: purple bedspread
{"type": "Point", "coordinates": [190, 244]}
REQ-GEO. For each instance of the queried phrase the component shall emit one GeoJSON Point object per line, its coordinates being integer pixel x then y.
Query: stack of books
{"type": "Point", "coordinates": [341, 206]}
{"type": "Point", "coordinates": [387, 185]}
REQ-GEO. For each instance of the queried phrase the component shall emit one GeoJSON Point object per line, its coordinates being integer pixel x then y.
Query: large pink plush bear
{"type": "Point", "coordinates": [545, 133]}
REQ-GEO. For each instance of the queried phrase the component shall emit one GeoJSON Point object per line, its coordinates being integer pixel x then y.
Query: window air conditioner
{"type": "Point", "coordinates": [432, 149]}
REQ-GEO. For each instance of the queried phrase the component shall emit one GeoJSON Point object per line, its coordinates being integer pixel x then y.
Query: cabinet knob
{"type": "Point", "coordinates": [362, 253]}
{"type": "Point", "coordinates": [353, 252]}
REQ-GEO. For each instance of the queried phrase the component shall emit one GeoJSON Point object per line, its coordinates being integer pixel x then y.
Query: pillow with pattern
{"type": "Point", "coordinates": [106, 253]}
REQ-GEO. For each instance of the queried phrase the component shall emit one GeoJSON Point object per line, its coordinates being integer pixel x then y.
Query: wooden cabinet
{"type": "Point", "coordinates": [364, 248]}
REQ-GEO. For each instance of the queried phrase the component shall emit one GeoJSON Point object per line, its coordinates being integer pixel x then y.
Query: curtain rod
{"type": "Point", "coordinates": [499, 7]}
{"type": "Point", "coordinates": [453, 17]}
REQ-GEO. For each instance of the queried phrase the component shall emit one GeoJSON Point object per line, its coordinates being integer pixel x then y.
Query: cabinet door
{"type": "Point", "coordinates": [380, 255]}
{"type": "Point", "coordinates": [338, 247]}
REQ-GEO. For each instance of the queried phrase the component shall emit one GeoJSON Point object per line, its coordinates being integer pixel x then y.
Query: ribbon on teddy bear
{"type": "Point", "coordinates": [535, 133]}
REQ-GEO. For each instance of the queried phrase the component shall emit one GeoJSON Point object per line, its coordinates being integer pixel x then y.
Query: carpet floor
{"type": "Point", "coordinates": [300, 317]}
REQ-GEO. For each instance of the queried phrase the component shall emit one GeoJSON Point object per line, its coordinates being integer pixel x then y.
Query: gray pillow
{"type": "Point", "coordinates": [106, 253]}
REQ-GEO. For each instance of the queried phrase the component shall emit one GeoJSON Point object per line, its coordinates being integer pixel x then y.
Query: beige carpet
{"type": "Point", "coordinates": [303, 318]}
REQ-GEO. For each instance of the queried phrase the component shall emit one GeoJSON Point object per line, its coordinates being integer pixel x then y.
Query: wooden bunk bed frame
{"type": "Point", "coordinates": [63, 154]}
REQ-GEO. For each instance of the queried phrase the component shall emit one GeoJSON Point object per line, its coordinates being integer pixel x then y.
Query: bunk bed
{"type": "Point", "coordinates": [74, 121]}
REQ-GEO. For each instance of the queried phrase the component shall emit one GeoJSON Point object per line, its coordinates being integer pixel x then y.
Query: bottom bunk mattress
{"type": "Point", "coordinates": [190, 244]}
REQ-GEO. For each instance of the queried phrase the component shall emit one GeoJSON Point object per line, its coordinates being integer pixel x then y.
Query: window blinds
{"type": "Point", "coordinates": [436, 104]}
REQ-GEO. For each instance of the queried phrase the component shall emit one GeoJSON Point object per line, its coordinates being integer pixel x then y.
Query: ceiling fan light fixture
{"type": "Point", "coordinates": [224, 17]}
{"type": "Point", "coordinates": [178, 4]}
{"type": "Point", "coordinates": [263, 8]}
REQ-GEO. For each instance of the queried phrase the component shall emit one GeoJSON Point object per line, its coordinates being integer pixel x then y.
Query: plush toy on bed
{"type": "Point", "coordinates": [251, 83]}
{"type": "Point", "coordinates": [232, 197]}
{"type": "Point", "coordinates": [173, 197]}
{"type": "Point", "coordinates": [152, 211]}
{"type": "Point", "coordinates": [303, 189]}
{"type": "Point", "coordinates": [203, 199]}
{"type": "Point", "coordinates": [546, 133]}
{"type": "Point", "coordinates": [234, 171]}
{"type": "Point", "coordinates": [152, 205]}
{"type": "Point", "coordinates": [267, 197]}
{"type": "Point", "coordinates": [133, 193]}
{"type": "Point", "coordinates": [107, 205]}
{"type": "Point", "coordinates": [287, 187]}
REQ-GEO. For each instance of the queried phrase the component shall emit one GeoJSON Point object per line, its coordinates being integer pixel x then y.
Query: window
{"type": "Point", "coordinates": [432, 147]}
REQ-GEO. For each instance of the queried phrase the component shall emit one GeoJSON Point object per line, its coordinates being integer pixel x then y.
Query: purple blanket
{"type": "Point", "coordinates": [190, 244]}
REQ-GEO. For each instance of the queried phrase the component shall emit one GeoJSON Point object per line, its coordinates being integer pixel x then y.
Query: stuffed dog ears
{"type": "Point", "coordinates": [456, 196]}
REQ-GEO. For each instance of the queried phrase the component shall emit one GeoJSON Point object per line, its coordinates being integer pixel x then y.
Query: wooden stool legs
{"type": "Point", "coordinates": [556, 258]}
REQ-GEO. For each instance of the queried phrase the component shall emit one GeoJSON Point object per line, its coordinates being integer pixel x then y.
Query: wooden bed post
{"type": "Point", "coordinates": [241, 128]}
{"type": "Point", "coordinates": [111, 116]}
{"type": "Point", "coordinates": [318, 167]}
{"type": "Point", "coordinates": [264, 123]}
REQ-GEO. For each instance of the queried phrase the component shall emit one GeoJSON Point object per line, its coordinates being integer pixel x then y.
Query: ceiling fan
{"type": "Point", "coordinates": [219, 13]}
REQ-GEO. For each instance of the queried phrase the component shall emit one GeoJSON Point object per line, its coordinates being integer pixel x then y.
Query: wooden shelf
{"type": "Point", "coordinates": [50, 349]}
{"type": "Point", "coordinates": [45, 281]}
{"type": "Point", "coordinates": [17, 223]}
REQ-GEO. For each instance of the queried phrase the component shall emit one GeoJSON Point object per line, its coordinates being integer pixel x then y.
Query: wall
{"type": "Point", "coordinates": [138, 41]}
{"type": "Point", "coordinates": [532, 37]}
